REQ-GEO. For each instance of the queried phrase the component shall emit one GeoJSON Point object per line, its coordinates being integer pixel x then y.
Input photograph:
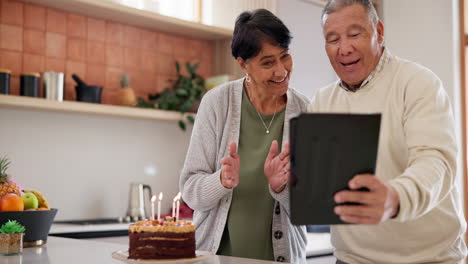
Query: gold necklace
{"type": "Point", "coordinates": [267, 128]}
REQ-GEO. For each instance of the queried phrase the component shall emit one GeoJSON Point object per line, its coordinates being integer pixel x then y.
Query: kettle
{"type": "Point", "coordinates": [136, 202]}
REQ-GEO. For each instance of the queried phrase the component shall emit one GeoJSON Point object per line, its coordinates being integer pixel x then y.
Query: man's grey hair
{"type": "Point", "coordinates": [336, 5]}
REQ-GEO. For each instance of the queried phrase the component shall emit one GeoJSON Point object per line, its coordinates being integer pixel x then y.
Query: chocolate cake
{"type": "Point", "coordinates": [161, 240]}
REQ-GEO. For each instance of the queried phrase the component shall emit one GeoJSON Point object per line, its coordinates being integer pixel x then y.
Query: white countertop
{"type": "Point", "coordinates": [317, 243]}
{"type": "Point", "coordinates": [78, 251]}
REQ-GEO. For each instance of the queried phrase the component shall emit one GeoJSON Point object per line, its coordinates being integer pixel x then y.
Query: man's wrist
{"type": "Point", "coordinates": [395, 202]}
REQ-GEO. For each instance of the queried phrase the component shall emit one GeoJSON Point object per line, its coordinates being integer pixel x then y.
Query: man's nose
{"type": "Point", "coordinates": [346, 47]}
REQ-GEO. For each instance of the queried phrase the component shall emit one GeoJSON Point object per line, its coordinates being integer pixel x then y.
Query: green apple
{"type": "Point", "coordinates": [30, 201]}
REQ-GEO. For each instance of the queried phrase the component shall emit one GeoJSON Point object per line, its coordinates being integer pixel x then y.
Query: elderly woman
{"type": "Point", "coordinates": [234, 176]}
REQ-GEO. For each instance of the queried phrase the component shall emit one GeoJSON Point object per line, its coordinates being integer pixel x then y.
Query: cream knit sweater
{"type": "Point", "coordinates": [417, 156]}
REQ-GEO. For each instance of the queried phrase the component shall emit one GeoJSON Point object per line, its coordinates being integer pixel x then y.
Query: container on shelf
{"type": "Point", "coordinates": [29, 84]}
{"type": "Point", "coordinates": [5, 81]}
{"type": "Point", "coordinates": [53, 85]}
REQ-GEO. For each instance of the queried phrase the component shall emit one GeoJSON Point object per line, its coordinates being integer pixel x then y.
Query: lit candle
{"type": "Point", "coordinates": [173, 206]}
{"type": "Point", "coordinates": [178, 205]}
{"type": "Point", "coordinates": [153, 199]}
{"type": "Point", "coordinates": [159, 205]}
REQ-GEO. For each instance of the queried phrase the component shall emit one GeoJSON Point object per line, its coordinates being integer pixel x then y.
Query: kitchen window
{"type": "Point", "coordinates": [182, 9]}
{"type": "Point", "coordinates": [219, 13]}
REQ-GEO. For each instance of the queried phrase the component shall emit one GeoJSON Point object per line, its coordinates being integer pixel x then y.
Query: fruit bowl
{"type": "Point", "coordinates": [36, 222]}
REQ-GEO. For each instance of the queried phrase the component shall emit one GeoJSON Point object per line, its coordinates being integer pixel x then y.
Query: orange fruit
{"type": "Point", "coordinates": [11, 202]}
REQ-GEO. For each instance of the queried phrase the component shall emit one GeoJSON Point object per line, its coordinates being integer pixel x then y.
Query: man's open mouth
{"type": "Point", "coordinates": [350, 63]}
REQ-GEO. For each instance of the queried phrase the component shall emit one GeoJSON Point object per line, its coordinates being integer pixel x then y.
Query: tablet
{"type": "Point", "coordinates": [327, 150]}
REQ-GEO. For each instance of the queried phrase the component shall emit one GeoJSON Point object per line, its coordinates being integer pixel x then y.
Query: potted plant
{"type": "Point", "coordinates": [183, 96]}
{"type": "Point", "coordinates": [11, 238]}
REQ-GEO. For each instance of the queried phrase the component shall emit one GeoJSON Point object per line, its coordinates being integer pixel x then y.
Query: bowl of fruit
{"type": "Point", "coordinates": [28, 207]}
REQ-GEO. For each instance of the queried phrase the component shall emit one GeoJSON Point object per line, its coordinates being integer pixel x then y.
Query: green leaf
{"type": "Point", "coordinates": [181, 92]}
{"type": "Point", "coordinates": [142, 103]}
{"type": "Point", "coordinates": [187, 106]}
{"type": "Point", "coordinates": [12, 227]}
{"type": "Point", "coordinates": [195, 66]}
{"type": "Point", "coordinates": [191, 119]}
{"type": "Point", "coordinates": [182, 125]}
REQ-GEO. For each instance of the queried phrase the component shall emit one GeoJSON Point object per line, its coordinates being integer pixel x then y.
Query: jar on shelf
{"type": "Point", "coordinates": [29, 84]}
{"type": "Point", "coordinates": [5, 81]}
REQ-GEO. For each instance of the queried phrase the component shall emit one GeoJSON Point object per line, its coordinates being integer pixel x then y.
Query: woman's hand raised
{"type": "Point", "coordinates": [277, 166]}
{"type": "Point", "coordinates": [230, 168]}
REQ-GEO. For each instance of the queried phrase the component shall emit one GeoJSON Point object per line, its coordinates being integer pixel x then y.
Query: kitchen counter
{"type": "Point", "coordinates": [66, 250]}
{"type": "Point", "coordinates": [318, 244]}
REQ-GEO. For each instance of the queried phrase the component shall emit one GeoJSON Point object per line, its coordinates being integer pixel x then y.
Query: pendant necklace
{"type": "Point", "coordinates": [267, 128]}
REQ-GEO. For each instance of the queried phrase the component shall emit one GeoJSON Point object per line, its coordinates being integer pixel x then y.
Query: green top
{"type": "Point", "coordinates": [247, 232]}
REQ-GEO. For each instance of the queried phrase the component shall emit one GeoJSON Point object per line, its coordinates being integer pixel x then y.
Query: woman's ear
{"type": "Point", "coordinates": [242, 64]}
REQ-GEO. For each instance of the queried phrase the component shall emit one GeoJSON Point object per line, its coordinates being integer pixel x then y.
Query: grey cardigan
{"type": "Point", "coordinates": [217, 124]}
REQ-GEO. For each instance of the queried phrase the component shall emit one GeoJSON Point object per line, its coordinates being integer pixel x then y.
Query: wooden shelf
{"type": "Point", "coordinates": [41, 104]}
{"type": "Point", "coordinates": [106, 9]}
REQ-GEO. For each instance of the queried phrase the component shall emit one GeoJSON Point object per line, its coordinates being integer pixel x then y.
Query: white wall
{"type": "Point", "coordinates": [84, 164]}
{"type": "Point", "coordinates": [312, 68]}
{"type": "Point", "coordinates": [426, 31]}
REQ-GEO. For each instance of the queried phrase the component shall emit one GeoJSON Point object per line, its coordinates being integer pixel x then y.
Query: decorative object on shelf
{"type": "Point", "coordinates": [126, 94]}
{"type": "Point", "coordinates": [5, 81]}
{"type": "Point", "coordinates": [87, 93]}
{"type": "Point", "coordinates": [53, 85]}
{"type": "Point", "coordinates": [29, 84]}
{"type": "Point", "coordinates": [184, 95]}
{"type": "Point", "coordinates": [11, 238]}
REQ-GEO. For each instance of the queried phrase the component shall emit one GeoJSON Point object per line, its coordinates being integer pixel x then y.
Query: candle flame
{"type": "Point", "coordinates": [160, 196]}
{"type": "Point", "coordinates": [153, 199]}
{"type": "Point", "coordinates": [177, 197]}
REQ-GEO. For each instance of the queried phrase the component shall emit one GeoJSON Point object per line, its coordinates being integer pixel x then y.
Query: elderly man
{"type": "Point", "coordinates": [412, 212]}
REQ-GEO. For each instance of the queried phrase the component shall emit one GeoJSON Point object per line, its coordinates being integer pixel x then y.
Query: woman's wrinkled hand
{"type": "Point", "coordinates": [277, 166]}
{"type": "Point", "coordinates": [230, 168]}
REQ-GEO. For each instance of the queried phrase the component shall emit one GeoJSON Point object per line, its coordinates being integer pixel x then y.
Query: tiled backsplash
{"type": "Point", "coordinates": [35, 38]}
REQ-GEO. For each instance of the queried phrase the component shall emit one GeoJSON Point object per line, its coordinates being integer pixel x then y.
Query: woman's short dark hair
{"type": "Point", "coordinates": [254, 27]}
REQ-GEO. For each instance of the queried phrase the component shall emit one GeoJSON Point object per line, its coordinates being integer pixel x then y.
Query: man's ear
{"type": "Point", "coordinates": [380, 32]}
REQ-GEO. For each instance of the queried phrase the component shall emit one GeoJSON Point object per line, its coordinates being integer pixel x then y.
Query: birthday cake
{"type": "Point", "coordinates": [161, 239]}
